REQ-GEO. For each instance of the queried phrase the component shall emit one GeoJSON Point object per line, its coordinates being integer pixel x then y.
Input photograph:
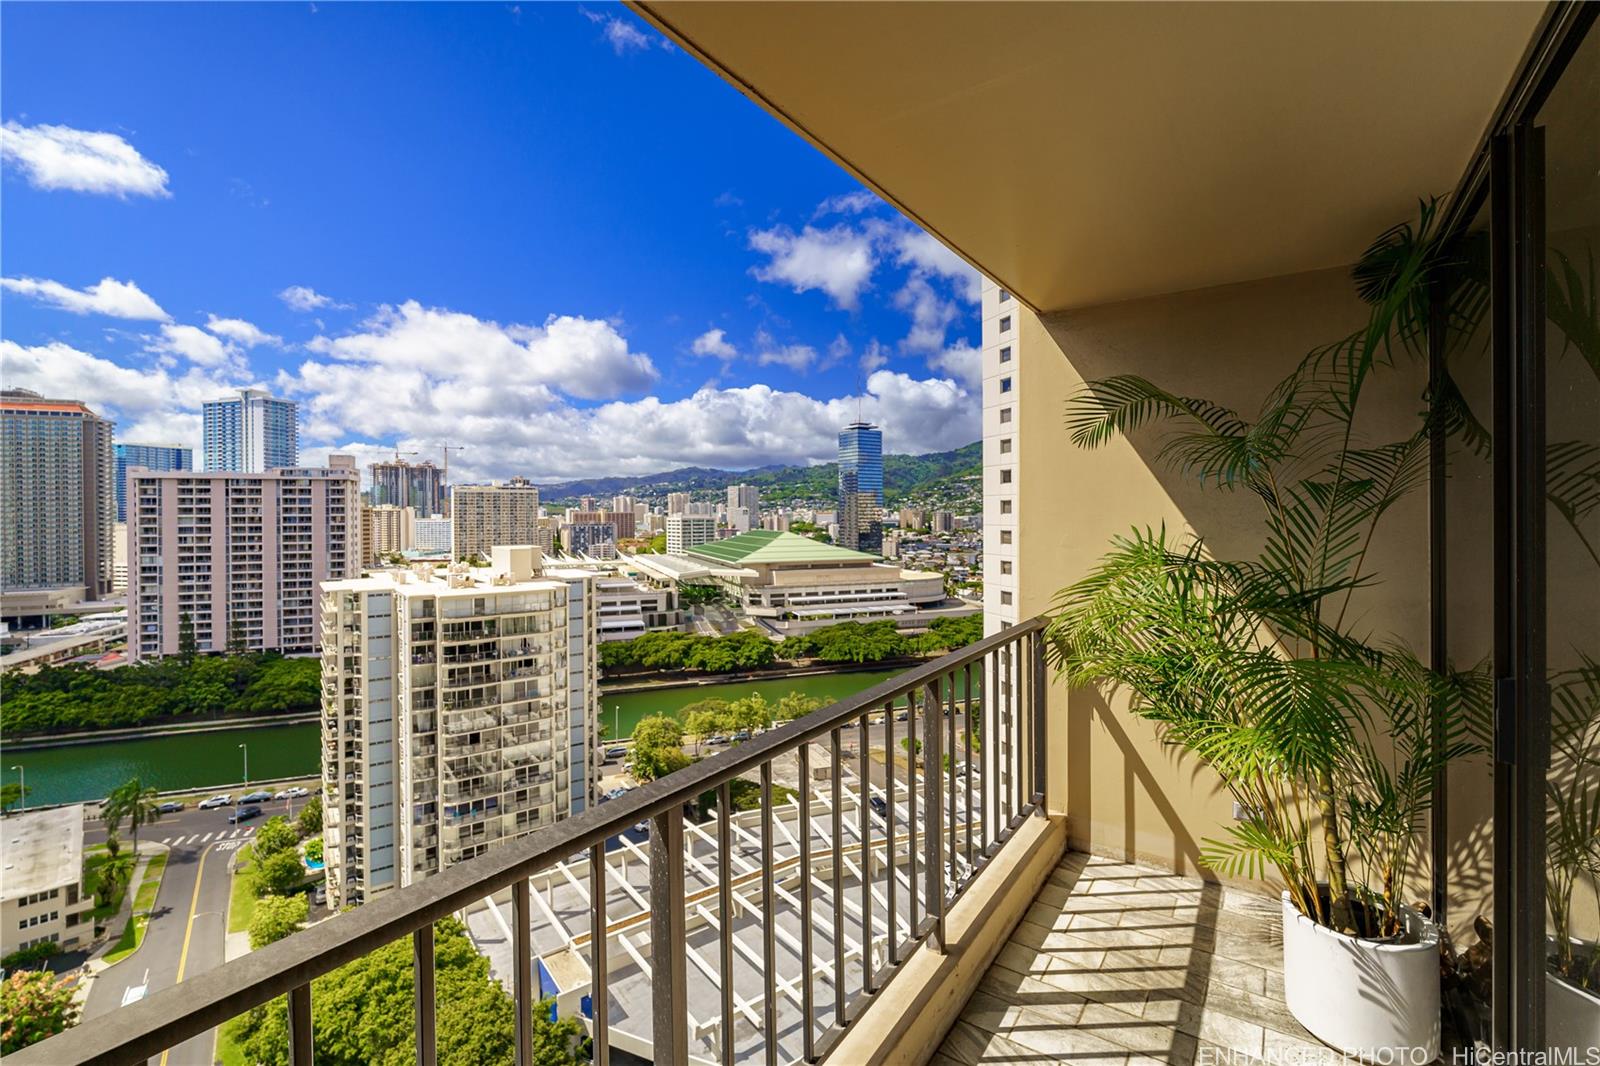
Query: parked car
{"type": "Point", "coordinates": [742, 735]}
{"type": "Point", "coordinates": [616, 793]}
{"type": "Point", "coordinates": [256, 797]}
{"type": "Point", "coordinates": [879, 805]}
{"type": "Point", "coordinates": [221, 799]}
{"type": "Point", "coordinates": [616, 753]}
{"type": "Point", "coordinates": [291, 793]}
{"type": "Point", "coordinates": [244, 814]}
{"type": "Point", "coordinates": [319, 895]}
{"type": "Point", "coordinates": [717, 739]}
{"type": "Point", "coordinates": [169, 807]}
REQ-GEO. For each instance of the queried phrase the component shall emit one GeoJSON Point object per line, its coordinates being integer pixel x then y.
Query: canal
{"type": "Point", "coordinates": [196, 760]}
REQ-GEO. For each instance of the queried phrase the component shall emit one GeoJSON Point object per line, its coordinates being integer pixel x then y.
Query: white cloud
{"type": "Point", "coordinates": [797, 357]}
{"type": "Point", "coordinates": [838, 260]}
{"type": "Point", "coordinates": [873, 357]}
{"type": "Point", "coordinates": [931, 316]}
{"type": "Point", "coordinates": [60, 157]}
{"type": "Point", "coordinates": [850, 203]}
{"type": "Point", "coordinates": [622, 35]}
{"type": "Point", "coordinates": [924, 253]}
{"type": "Point", "coordinates": [195, 345]}
{"type": "Point", "coordinates": [961, 362]}
{"type": "Point", "coordinates": [714, 342]}
{"type": "Point", "coordinates": [241, 332]}
{"type": "Point", "coordinates": [301, 298]}
{"type": "Point", "coordinates": [108, 296]}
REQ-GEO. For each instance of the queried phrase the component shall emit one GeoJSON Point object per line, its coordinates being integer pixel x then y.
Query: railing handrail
{"type": "Point", "coordinates": [145, 1029]}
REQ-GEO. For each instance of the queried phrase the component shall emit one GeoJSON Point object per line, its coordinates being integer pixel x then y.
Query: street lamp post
{"type": "Point", "coordinates": [246, 749]}
{"type": "Point", "coordinates": [22, 783]}
{"type": "Point", "coordinates": [616, 721]}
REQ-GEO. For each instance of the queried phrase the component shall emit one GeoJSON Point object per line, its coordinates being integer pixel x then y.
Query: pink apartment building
{"type": "Point", "coordinates": [242, 555]}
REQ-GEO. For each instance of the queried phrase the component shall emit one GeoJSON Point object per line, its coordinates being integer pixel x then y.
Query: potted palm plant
{"type": "Point", "coordinates": [1572, 858]}
{"type": "Point", "coordinates": [1328, 740]}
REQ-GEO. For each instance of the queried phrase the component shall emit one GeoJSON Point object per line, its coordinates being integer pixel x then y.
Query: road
{"type": "Point", "coordinates": [188, 929]}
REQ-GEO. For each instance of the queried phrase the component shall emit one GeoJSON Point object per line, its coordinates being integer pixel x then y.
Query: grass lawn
{"type": "Point", "coordinates": [229, 1053]}
{"type": "Point", "coordinates": [242, 894]}
{"type": "Point", "coordinates": [143, 903]}
{"type": "Point", "coordinates": [94, 865]}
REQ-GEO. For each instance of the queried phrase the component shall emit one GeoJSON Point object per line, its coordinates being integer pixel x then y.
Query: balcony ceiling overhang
{"type": "Point", "coordinates": [1093, 152]}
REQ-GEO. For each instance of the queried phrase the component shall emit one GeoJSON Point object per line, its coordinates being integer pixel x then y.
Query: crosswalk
{"type": "Point", "coordinates": [206, 838]}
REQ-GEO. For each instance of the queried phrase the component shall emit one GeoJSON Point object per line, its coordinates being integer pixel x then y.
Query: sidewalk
{"type": "Point", "coordinates": [96, 964]}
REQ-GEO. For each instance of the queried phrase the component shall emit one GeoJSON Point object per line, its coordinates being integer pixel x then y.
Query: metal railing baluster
{"type": "Point", "coordinates": [669, 1003]}
{"type": "Point", "coordinates": [933, 786]}
{"type": "Point", "coordinates": [949, 774]}
{"type": "Point", "coordinates": [599, 964]}
{"type": "Point", "coordinates": [967, 754]}
{"type": "Point", "coordinates": [301, 1051]}
{"type": "Point", "coordinates": [522, 978]}
{"type": "Point", "coordinates": [837, 847]}
{"type": "Point", "coordinates": [913, 910]}
{"type": "Point", "coordinates": [864, 802]}
{"type": "Point", "coordinates": [891, 889]}
{"type": "Point", "coordinates": [1040, 722]}
{"type": "Point", "coordinates": [422, 998]}
{"type": "Point", "coordinates": [808, 1003]}
{"type": "Point", "coordinates": [991, 744]}
{"type": "Point", "coordinates": [769, 923]}
{"type": "Point", "coordinates": [725, 915]}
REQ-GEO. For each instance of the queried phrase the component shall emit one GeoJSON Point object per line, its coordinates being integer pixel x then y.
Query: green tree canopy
{"type": "Point", "coordinates": [133, 802]}
{"type": "Point", "coordinates": [11, 794]}
{"type": "Point", "coordinates": [275, 917]}
{"type": "Point", "coordinates": [279, 874]}
{"type": "Point", "coordinates": [657, 747]}
{"type": "Point", "coordinates": [275, 835]}
{"type": "Point", "coordinates": [310, 820]}
{"type": "Point", "coordinates": [34, 1004]}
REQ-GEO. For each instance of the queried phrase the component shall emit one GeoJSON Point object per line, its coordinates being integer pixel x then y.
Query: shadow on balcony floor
{"type": "Point", "coordinates": [1125, 964]}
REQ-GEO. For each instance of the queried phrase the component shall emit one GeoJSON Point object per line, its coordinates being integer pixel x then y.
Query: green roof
{"type": "Point", "coordinates": [771, 546]}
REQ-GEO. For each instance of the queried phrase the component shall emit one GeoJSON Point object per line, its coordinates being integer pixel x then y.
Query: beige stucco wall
{"type": "Point", "coordinates": [1126, 794]}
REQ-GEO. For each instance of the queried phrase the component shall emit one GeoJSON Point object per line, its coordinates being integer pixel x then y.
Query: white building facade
{"type": "Point", "coordinates": [1001, 357]}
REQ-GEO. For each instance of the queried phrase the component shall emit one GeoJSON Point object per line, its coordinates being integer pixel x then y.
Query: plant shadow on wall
{"type": "Point", "coordinates": [1330, 739]}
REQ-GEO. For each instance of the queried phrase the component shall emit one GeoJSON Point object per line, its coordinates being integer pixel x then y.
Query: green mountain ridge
{"type": "Point", "coordinates": [905, 477]}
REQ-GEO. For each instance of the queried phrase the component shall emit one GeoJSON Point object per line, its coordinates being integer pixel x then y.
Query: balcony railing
{"type": "Point", "coordinates": [922, 838]}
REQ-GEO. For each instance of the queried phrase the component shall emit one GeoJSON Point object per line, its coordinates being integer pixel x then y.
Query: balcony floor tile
{"type": "Point", "coordinates": [1115, 963]}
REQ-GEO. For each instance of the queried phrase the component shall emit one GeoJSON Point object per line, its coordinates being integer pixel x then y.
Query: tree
{"type": "Point", "coordinates": [361, 1013]}
{"type": "Point", "coordinates": [750, 714]}
{"type": "Point", "coordinates": [275, 917]}
{"type": "Point", "coordinates": [188, 646]}
{"type": "Point", "coordinates": [795, 705]}
{"type": "Point", "coordinates": [657, 747]}
{"type": "Point", "coordinates": [279, 874]}
{"type": "Point", "coordinates": [134, 802]}
{"type": "Point", "coordinates": [310, 820]}
{"type": "Point", "coordinates": [705, 718]}
{"type": "Point", "coordinates": [658, 544]}
{"type": "Point", "coordinates": [11, 794]}
{"type": "Point", "coordinates": [275, 835]}
{"type": "Point", "coordinates": [236, 642]}
{"type": "Point", "coordinates": [313, 850]}
{"type": "Point", "coordinates": [34, 1004]}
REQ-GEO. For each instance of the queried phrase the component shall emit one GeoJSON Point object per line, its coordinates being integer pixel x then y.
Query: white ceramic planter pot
{"type": "Point", "coordinates": [1571, 1016]}
{"type": "Point", "coordinates": [1375, 1000]}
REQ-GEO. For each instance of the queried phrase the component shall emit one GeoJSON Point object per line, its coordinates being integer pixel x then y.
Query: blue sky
{"type": "Point", "coordinates": [539, 231]}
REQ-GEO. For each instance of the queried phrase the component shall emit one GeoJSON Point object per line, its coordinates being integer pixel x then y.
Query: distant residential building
{"type": "Point", "coordinates": [149, 456]}
{"type": "Point", "coordinates": [891, 545]}
{"type": "Point", "coordinates": [746, 496]}
{"type": "Point", "coordinates": [598, 540]}
{"type": "Point", "coordinates": [431, 534]}
{"type": "Point", "coordinates": [706, 509]}
{"type": "Point", "coordinates": [623, 522]}
{"type": "Point", "coordinates": [861, 487]}
{"type": "Point", "coordinates": [776, 520]}
{"type": "Point", "coordinates": [486, 515]}
{"type": "Point", "coordinates": [1002, 505]}
{"type": "Point", "coordinates": [685, 531]}
{"type": "Point", "coordinates": [677, 503]}
{"type": "Point", "coordinates": [740, 519]}
{"type": "Point", "coordinates": [386, 530]}
{"type": "Point", "coordinates": [419, 486]}
{"type": "Point", "coordinates": [913, 518]}
{"type": "Point", "coordinates": [119, 559]}
{"type": "Point", "coordinates": [458, 714]}
{"type": "Point", "coordinates": [623, 503]}
{"type": "Point", "coordinates": [251, 433]}
{"type": "Point", "coordinates": [57, 504]}
{"type": "Point", "coordinates": [236, 557]}
{"type": "Point", "coordinates": [587, 503]}
{"type": "Point", "coordinates": [942, 522]}
{"type": "Point", "coordinates": [42, 899]}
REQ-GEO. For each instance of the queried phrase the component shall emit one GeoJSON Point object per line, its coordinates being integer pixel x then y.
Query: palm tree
{"type": "Point", "coordinates": [135, 802]}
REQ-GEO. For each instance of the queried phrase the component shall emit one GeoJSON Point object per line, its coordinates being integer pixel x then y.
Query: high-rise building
{"type": "Point", "coordinates": [861, 487]}
{"type": "Point", "coordinates": [587, 503]}
{"type": "Point", "coordinates": [251, 433]}
{"type": "Point", "coordinates": [747, 497]}
{"type": "Point", "coordinates": [431, 534]}
{"type": "Point", "coordinates": [458, 714]}
{"type": "Point", "coordinates": [913, 518]}
{"type": "Point", "coordinates": [57, 507]}
{"type": "Point", "coordinates": [942, 522]}
{"type": "Point", "coordinates": [685, 531]}
{"type": "Point", "coordinates": [386, 530]}
{"type": "Point", "coordinates": [598, 540]}
{"type": "Point", "coordinates": [1002, 504]}
{"type": "Point", "coordinates": [677, 503]}
{"type": "Point", "coordinates": [149, 456]}
{"type": "Point", "coordinates": [234, 559]}
{"type": "Point", "coordinates": [485, 515]}
{"type": "Point", "coordinates": [419, 486]}
{"type": "Point", "coordinates": [623, 503]}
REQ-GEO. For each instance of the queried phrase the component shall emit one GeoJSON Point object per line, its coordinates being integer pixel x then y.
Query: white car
{"type": "Point", "coordinates": [222, 799]}
{"type": "Point", "coordinates": [291, 793]}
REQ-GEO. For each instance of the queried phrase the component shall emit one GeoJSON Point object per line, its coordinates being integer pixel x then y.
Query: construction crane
{"type": "Point", "coordinates": [398, 453]}
{"type": "Point", "coordinates": [448, 447]}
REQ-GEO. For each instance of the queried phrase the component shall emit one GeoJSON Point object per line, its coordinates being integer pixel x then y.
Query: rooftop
{"type": "Point", "coordinates": [771, 546]}
{"type": "Point", "coordinates": [43, 850]}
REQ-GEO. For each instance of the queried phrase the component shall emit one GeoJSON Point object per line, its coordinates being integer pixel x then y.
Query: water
{"type": "Point", "coordinates": [197, 760]}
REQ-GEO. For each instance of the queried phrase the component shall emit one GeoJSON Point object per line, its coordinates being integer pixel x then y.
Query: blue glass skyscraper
{"type": "Point", "coordinates": [251, 434]}
{"type": "Point", "coordinates": [151, 457]}
{"type": "Point", "coordinates": [861, 487]}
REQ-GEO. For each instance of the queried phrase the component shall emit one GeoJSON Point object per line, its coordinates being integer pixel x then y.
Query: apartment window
{"type": "Point", "coordinates": [1005, 566]}
{"type": "Point", "coordinates": [1005, 599]}
{"type": "Point", "coordinates": [1005, 506]}
{"type": "Point", "coordinates": [1005, 354]}
{"type": "Point", "coordinates": [1005, 384]}
{"type": "Point", "coordinates": [1004, 296]}
{"type": "Point", "coordinates": [1005, 414]}
{"type": "Point", "coordinates": [1005, 323]}
{"type": "Point", "coordinates": [1005, 477]}
{"type": "Point", "coordinates": [1005, 536]}
{"type": "Point", "coordinates": [1005, 446]}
